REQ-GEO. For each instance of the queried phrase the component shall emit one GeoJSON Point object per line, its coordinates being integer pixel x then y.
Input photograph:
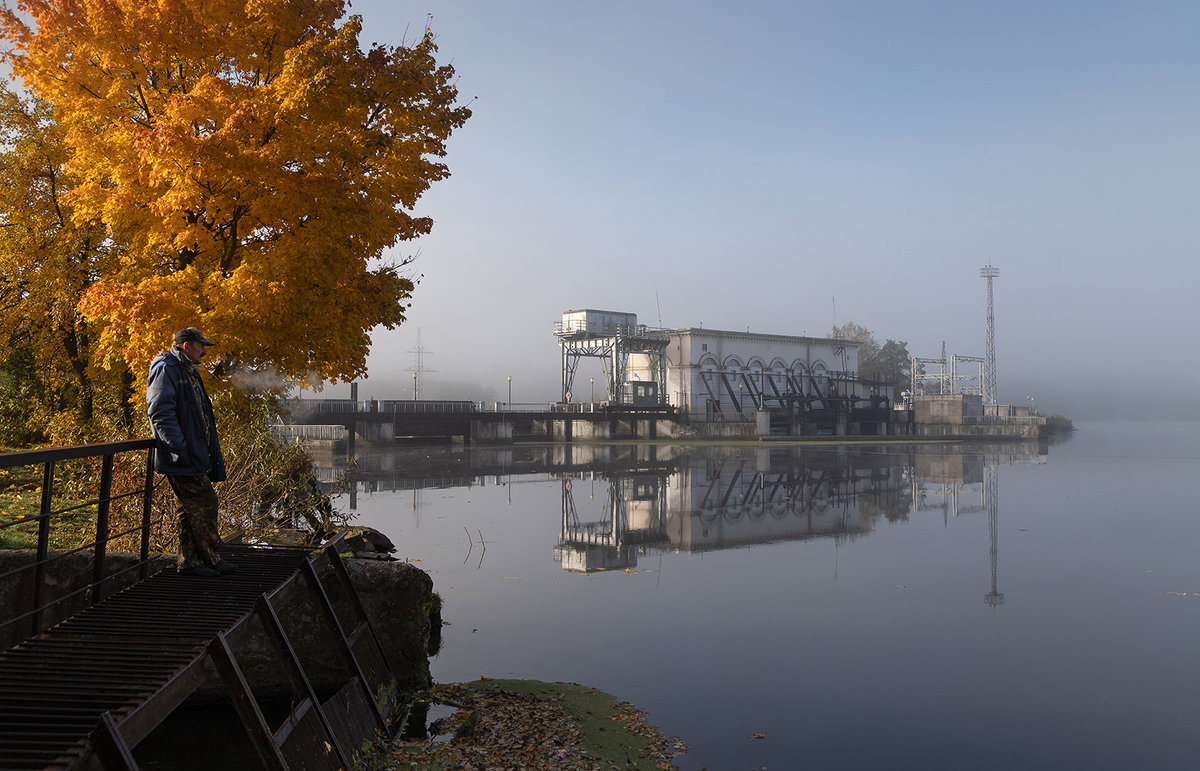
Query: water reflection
{"type": "Point", "coordinates": [621, 503]}
{"type": "Point", "coordinates": [836, 600]}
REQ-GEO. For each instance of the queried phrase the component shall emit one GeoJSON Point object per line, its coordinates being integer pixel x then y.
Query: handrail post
{"type": "Point", "coordinates": [147, 503]}
{"type": "Point", "coordinates": [102, 507]}
{"type": "Point", "coordinates": [43, 545]}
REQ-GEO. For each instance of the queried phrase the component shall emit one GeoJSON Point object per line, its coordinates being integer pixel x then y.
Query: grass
{"type": "Point", "coordinates": [528, 724]}
{"type": "Point", "coordinates": [20, 502]}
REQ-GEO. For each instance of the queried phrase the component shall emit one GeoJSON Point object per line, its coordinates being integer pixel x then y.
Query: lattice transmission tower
{"type": "Point", "coordinates": [991, 492]}
{"type": "Point", "coordinates": [419, 368]}
{"type": "Point", "coordinates": [989, 368]}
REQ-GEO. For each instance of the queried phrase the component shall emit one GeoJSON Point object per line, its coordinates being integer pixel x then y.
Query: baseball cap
{"type": "Point", "coordinates": [191, 334]}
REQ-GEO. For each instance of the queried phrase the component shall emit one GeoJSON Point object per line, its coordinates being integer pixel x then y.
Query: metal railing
{"type": "Point", "coordinates": [1003, 420]}
{"type": "Point", "coordinates": [306, 406]}
{"type": "Point", "coordinates": [288, 433]}
{"type": "Point", "coordinates": [48, 516]}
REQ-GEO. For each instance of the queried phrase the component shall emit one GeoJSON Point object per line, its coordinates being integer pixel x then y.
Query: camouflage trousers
{"type": "Point", "coordinates": [198, 538]}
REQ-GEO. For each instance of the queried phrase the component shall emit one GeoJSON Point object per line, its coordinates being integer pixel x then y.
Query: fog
{"type": "Point", "coordinates": [781, 167]}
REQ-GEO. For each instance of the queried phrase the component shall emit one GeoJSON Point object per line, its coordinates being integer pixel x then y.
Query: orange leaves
{"type": "Point", "coordinates": [251, 163]}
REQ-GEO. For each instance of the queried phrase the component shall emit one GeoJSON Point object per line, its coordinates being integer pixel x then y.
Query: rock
{"type": "Point", "coordinates": [366, 539]}
{"type": "Point", "coordinates": [397, 597]}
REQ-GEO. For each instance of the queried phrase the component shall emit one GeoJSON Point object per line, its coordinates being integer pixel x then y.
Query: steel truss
{"type": "Point", "coordinates": [961, 384]}
{"type": "Point", "coordinates": [614, 352]}
{"type": "Point", "coordinates": [774, 389]}
{"type": "Point", "coordinates": [948, 380]}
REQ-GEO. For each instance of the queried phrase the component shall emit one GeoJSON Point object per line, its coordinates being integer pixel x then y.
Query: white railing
{"type": "Point", "coordinates": [311, 433]}
{"type": "Point", "coordinates": [1003, 420]}
{"type": "Point", "coordinates": [390, 405]}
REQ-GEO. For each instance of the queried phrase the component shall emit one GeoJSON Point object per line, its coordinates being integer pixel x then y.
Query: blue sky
{"type": "Point", "coordinates": [741, 165]}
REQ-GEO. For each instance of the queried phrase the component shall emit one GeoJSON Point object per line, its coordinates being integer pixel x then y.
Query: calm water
{"type": "Point", "coordinates": [893, 606]}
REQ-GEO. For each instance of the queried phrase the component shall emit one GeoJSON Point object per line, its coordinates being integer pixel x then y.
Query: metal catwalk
{"type": "Point", "coordinates": [92, 686]}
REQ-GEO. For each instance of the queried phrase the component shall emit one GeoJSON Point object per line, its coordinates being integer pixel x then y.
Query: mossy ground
{"type": "Point", "coordinates": [528, 724]}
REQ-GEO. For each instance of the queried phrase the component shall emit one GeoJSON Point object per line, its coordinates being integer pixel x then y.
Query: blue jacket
{"type": "Point", "coordinates": [177, 419]}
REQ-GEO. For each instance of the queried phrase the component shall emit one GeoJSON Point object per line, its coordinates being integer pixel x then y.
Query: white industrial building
{"type": "Point", "coordinates": [714, 374]}
{"type": "Point", "coordinates": [717, 371]}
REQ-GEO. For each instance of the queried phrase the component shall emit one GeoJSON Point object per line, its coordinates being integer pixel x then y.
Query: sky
{"type": "Point", "coordinates": [780, 167]}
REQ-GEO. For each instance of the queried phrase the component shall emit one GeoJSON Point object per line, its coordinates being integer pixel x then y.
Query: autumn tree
{"type": "Point", "coordinates": [251, 160]}
{"type": "Point", "coordinates": [48, 260]}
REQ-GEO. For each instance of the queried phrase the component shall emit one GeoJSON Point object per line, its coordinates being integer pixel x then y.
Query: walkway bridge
{"type": "Point", "coordinates": [92, 669]}
{"type": "Point", "coordinates": [391, 420]}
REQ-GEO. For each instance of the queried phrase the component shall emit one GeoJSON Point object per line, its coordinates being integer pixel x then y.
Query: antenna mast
{"type": "Point", "coordinates": [989, 369]}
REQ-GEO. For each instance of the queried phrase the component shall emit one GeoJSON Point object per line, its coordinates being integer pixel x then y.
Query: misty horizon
{"type": "Point", "coordinates": [785, 167]}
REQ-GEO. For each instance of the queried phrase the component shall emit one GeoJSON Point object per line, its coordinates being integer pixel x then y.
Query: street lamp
{"type": "Point", "coordinates": [592, 380]}
{"type": "Point", "coordinates": [510, 389]}
{"type": "Point", "coordinates": [1032, 407]}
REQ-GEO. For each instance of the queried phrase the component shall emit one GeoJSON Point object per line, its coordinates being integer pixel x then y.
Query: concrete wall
{"type": "Point", "coordinates": [946, 409]}
{"type": "Point", "coordinates": [734, 431]}
{"type": "Point", "coordinates": [592, 431]}
{"type": "Point", "coordinates": [491, 432]}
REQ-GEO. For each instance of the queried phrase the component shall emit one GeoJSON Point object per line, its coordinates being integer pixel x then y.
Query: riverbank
{"type": "Point", "coordinates": [525, 724]}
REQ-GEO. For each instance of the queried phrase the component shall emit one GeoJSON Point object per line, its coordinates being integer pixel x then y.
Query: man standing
{"type": "Point", "coordinates": [188, 451]}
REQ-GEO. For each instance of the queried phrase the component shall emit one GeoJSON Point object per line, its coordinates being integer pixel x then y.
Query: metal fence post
{"type": "Point", "coordinates": [147, 503]}
{"type": "Point", "coordinates": [43, 545]}
{"type": "Point", "coordinates": [102, 507]}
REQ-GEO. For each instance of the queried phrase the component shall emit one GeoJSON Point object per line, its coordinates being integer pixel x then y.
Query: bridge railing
{"type": "Point", "coordinates": [68, 525]}
{"type": "Point", "coordinates": [310, 406]}
{"type": "Point", "coordinates": [329, 433]}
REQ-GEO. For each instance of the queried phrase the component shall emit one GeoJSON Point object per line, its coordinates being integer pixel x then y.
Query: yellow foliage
{"type": "Point", "coordinates": [252, 162]}
{"type": "Point", "coordinates": [47, 262]}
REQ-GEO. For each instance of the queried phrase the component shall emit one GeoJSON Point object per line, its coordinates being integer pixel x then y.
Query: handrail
{"type": "Point", "coordinates": [47, 457]}
{"type": "Point", "coordinates": [74, 452]}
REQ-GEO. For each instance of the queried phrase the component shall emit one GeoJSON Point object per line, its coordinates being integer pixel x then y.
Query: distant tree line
{"type": "Point", "coordinates": [888, 362]}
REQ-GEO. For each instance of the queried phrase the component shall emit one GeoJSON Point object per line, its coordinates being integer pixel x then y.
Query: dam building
{"type": "Point", "coordinates": [710, 375]}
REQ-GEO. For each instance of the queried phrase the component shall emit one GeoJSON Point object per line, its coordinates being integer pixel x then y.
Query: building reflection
{"type": "Point", "coordinates": [621, 503]}
{"type": "Point", "coordinates": [731, 497]}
